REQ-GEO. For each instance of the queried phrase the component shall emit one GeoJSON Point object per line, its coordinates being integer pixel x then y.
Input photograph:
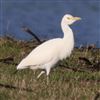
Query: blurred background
{"type": "Point", "coordinates": [43, 17]}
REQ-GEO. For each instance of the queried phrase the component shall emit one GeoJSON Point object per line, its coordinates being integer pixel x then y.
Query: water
{"type": "Point", "coordinates": [43, 17]}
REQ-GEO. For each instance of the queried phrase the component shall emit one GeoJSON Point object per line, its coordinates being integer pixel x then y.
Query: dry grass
{"type": "Point", "coordinates": [71, 79]}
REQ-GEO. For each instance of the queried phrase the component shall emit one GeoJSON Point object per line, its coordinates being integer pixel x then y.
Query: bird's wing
{"type": "Point", "coordinates": [43, 53]}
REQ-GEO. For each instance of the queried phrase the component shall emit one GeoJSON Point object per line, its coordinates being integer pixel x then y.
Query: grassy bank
{"type": "Point", "coordinates": [75, 78]}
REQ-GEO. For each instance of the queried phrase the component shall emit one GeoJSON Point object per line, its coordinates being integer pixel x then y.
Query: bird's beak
{"type": "Point", "coordinates": [77, 18]}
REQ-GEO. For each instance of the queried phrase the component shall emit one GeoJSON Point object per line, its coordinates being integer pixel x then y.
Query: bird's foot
{"type": "Point", "coordinates": [42, 72]}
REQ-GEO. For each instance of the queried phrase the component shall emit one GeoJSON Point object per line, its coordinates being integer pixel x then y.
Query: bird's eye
{"type": "Point", "coordinates": [69, 18]}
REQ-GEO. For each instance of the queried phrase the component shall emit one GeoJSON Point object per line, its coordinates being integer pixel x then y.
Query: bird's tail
{"type": "Point", "coordinates": [22, 65]}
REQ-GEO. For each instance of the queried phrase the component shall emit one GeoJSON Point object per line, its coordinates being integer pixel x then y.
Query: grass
{"type": "Point", "coordinates": [71, 79]}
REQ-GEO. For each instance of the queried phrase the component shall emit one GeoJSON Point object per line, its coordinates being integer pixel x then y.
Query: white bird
{"type": "Point", "coordinates": [46, 55]}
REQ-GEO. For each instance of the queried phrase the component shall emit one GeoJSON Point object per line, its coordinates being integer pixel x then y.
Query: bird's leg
{"type": "Point", "coordinates": [47, 80]}
{"type": "Point", "coordinates": [42, 72]}
{"type": "Point", "coordinates": [47, 70]}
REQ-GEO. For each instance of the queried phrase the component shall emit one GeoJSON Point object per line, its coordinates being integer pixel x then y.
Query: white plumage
{"type": "Point", "coordinates": [46, 55]}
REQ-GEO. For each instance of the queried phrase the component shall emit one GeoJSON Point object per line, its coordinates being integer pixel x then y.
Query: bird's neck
{"type": "Point", "coordinates": [66, 30]}
{"type": "Point", "coordinates": [68, 34]}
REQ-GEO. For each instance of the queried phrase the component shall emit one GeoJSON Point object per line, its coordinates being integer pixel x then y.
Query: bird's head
{"type": "Point", "coordinates": [69, 19]}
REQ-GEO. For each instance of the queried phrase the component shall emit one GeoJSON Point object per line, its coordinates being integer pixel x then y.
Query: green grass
{"type": "Point", "coordinates": [64, 83]}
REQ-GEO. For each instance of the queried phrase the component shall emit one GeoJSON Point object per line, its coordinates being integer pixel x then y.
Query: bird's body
{"type": "Point", "coordinates": [46, 55]}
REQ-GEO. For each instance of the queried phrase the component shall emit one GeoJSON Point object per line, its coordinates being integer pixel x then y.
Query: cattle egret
{"type": "Point", "coordinates": [46, 55]}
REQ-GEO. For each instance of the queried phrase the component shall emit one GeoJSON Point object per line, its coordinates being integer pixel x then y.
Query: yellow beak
{"type": "Point", "coordinates": [76, 18]}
